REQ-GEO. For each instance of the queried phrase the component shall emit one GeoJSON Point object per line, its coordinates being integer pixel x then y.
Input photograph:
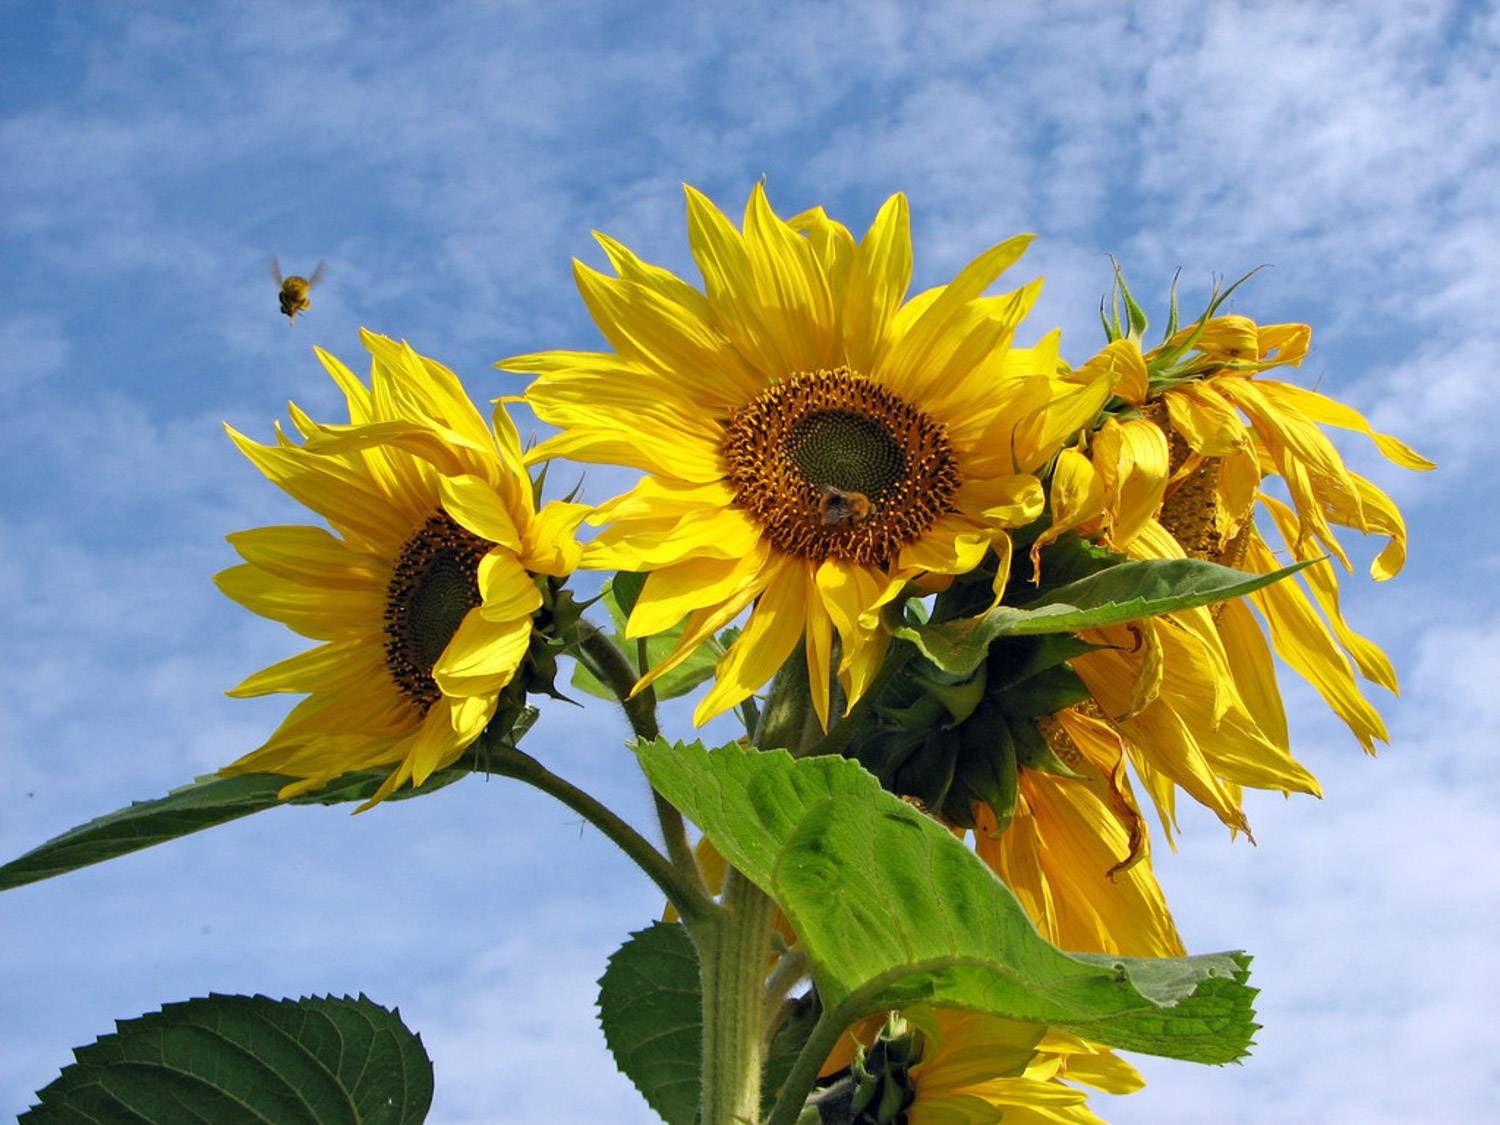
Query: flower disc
{"type": "Point", "coordinates": [836, 466]}
{"type": "Point", "coordinates": [433, 587]}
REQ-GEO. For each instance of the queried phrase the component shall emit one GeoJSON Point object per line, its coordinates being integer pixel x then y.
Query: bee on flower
{"type": "Point", "coordinates": [813, 439]}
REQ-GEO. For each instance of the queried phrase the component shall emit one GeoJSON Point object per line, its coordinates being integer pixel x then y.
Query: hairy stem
{"type": "Point", "coordinates": [687, 895]}
{"type": "Point", "coordinates": [733, 946]}
{"type": "Point", "coordinates": [611, 668]}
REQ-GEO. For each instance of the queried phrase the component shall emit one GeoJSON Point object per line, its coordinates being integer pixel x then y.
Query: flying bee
{"type": "Point", "coordinates": [842, 505]}
{"type": "Point", "coordinates": [294, 290]}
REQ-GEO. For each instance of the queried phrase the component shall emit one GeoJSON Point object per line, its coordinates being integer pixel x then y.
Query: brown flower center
{"type": "Point", "coordinates": [836, 466]}
{"type": "Point", "coordinates": [435, 583]}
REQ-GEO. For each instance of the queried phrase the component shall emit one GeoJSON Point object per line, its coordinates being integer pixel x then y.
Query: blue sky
{"type": "Point", "coordinates": [448, 161]}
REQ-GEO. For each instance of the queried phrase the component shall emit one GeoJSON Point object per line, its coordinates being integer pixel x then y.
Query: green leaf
{"type": "Point", "coordinates": [892, 910]}
{"type": "Point", "coordinates": [651, 1011]}
{"type": "Point", "coordinates": [232, 1059]}
{"type": "Point", "coordinates": [1128, 592]}
{"type": "Point", "coordinates": [203, 804]}
{"type": "Point", "coordinates": [211, 800]}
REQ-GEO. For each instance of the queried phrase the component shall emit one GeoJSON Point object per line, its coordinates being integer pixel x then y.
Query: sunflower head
{"type": "Point", "coordinates": [812, 440]}
{"type": "Point", "coordinates": [938, 1066]}
{"type": "Point", "coordinates": [1194, 430]}
{"type": "Point", "coordinates": [436, 595]}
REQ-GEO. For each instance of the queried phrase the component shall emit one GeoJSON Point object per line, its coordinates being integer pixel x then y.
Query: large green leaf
{"type": "Point", "coordinates": [651, 1011]}
{"type": "Point", "coordinates": [1128, 592]}
{"type": "Point", "coordinates": [892, 909]}
{"type": "Point", "coordinates": [244, 1059]}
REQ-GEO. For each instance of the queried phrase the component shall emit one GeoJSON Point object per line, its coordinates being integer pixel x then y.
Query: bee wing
{"type": "Point", "coordinates": [317, 275]}
{"type": "Point", "coordinates": [275, 268]}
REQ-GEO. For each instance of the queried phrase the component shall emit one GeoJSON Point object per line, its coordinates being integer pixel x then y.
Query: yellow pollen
{"type": "Point", "coordinates": [836, 466]}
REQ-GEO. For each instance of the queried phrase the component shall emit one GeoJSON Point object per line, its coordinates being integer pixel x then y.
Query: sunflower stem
{"type": "Point", "coordinates": [687, 895]}
{"type": "Point", "coordinates": [800, 1080]}
{"type": "Point", "coordinates": [609, 666]}
{"type": "Point", "coordinates": [734, 944]}
{"type": "Point", "coordinates": [732, 949]}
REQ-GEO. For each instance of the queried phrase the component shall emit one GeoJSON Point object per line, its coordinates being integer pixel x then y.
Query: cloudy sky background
{"type": "Point", "coordinates": [448, 163]}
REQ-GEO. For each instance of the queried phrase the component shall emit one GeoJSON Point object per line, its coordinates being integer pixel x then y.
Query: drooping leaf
{"type": "Point", "coordinates": [250, 1059]}
{"type": "Point", "coordinates": [203, 804]}
{"type": "Point", "coordinates": [651, 1011]}
{"type": "Point", "coordinates": [892, 909]}
{"type": "Point", "coordinates": [1128, 592]}
{"type": "Point", "coordinates": [211, 801]}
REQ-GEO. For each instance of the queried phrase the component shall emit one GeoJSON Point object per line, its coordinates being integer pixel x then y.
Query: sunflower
{"type": "Point", "coordinates": [1190, 700]}
{"type": "Point", "coordinates": [1076, 852]}
{"type": "Point", "coordinates": [424, 595]}
{"type": "Point", "coordinates": [1185, 476]}
{"type": "Point", "coordinates": [941, 1066]}
{"type": "Point", "coordinates": [812, 441]}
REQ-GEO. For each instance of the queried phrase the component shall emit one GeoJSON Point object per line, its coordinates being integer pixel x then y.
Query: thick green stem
{"type": "Point", "coordinates": [687, 895]}
{"type": "Point", "coordinates": [733, 946]}
{"type": "Point", "coordinates": [732, 949]}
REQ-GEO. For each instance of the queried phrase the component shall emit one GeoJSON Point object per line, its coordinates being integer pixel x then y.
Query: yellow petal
{"type": "Point", "coordinates": [1122, 362]}
{"type": "Point", "coordinates": [878, 282]}
{"type": "Point", "coordinates": [954, 544]}
{"type": "Point", "coordinates": [482, 656]}
{"type": "Point", "coordinates": [639, 545]}
{"type": "Point", "coordinates": [1039, 435]}
{"type": "Point", "coordinates": [729, 280]}
{"type": "Point", "coordinates": [848, 592]}
{"type": "Point", "coordinates": [548, 545]}
{"type": "Point", "coordinates": [650, 330]}
{"type": "Point", "coordinates": [1208, 424]}
{"type": "Point", "coordinates": [507, 590]}
{"type": "Point", "coordinates": [793, 291]}
{"type": "Point", "coordinates": [674, 591]}
{"type": "Point", "coordinates": [475, 504]}
{"type": "Point", "coordinates": [1133, 459]}
{"type": "Point", "coordinates": [322, 613]}
{"type": "Point", "coordinates": [1301, 639]}
{"type": "Point", "coordinates": [1321, 409]}
{"type": "Point", "coordinates": [773, 631]}
{"type": "Point", "coordinates": [1323, 582]}
{"type": "Point", "coordinates": [906, 368]}
{"type": "Point", "coordinates": [1077, 499]}
{"type": "Point", "coordinates": [1253, 669]}
{"type": "Point", "coordinates": [335, 666]}
{"type": "Point", "coordinates": [310, 556]}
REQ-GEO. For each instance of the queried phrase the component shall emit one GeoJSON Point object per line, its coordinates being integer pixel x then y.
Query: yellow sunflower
{"type": "Point", "coordinates": [941, 1066]}
{"type": "Point", "coordinates": [1190, 700]}
{"type": "Point", "coordinates": [812, 440]}
{"type": "Point", "coordinates": [1185, 477]}
{"type": "Point", "coordinates": [424, 595]}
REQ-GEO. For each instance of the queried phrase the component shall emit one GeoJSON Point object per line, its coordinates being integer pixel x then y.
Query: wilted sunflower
{"type": "Point", "coordinates": [1184, 477]}
{"type": "Point", "coordinates": [1076, 852]}
{"type": "Point", "coordinates": [940, 1066]}
{"type": "Point", "coordinates": [424, 596]}
{"type": "Point", "coordinates": [813, 441]}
